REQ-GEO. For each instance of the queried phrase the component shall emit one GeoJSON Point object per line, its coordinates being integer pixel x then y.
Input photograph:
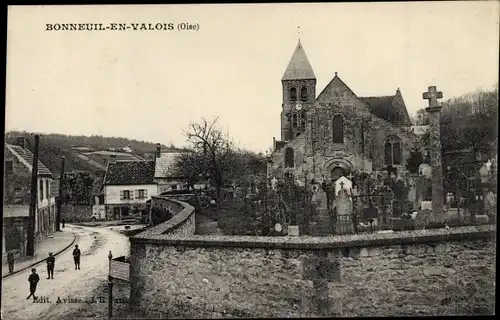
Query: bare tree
{"type": "Point", "coordinates": [215, 153]}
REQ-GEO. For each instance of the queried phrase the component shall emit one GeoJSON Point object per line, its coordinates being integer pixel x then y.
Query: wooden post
{"type": "Point", "coordinates": [110, 297]}
{"type": "Point", "coordinates": [110, 288]}
{"type": "Point", "coordinates": [30, 250]}
{"type": "Point", "coordinates": [59, 202]}
{"type": "Point", "coordinates": [458, 200]}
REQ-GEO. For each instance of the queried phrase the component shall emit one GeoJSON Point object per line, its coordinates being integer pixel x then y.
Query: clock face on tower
{"type": "Point", "coordinates": [298, 106]}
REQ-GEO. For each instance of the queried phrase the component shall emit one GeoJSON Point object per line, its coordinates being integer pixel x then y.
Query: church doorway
{"type": "Point", "coordinates": [337, 172]}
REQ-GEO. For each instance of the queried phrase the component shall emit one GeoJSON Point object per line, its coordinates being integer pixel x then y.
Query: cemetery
{"type": "Point", "coordinates": [358, 245]}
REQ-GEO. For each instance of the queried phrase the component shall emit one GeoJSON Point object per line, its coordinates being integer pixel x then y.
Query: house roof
{"type": "Point", "coordinates": [165, 165]}
{"type": "Point", "coordinates": [26, 157]}
{"type": "Point", "coordinates": [299, 66]}
{"type": "Point", "coordinates": [379, 106]}
{"type": "Point", "coordinates": [128, 172]}
{"type": "Point", "coordinates": [16, 211]}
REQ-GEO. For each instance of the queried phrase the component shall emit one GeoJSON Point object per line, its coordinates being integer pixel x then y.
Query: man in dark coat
{"type": "Point", "coordinates": [50, 266]}
{"type": "Point", "coordinates": [10, 260]}
{"type": "Point", "coordinates": [33, 280]}
{"type": "Point", "coordinates": [76, 257]}
{"type": "Point", "coordinates": [63, 222]}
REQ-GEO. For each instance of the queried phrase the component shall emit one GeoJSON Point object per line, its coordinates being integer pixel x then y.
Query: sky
{"type": "Point", "coordinates": [150, 85]}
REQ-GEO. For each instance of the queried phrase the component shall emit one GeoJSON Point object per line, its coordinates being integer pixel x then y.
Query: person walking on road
{"type": "Point", "coordinates": [63, 222]}
{"type": "Point", "coordinates": [76, 257]}
{"type": "Point", "coordinates": [50, 266]}
{"type": "Point", "coordinates": [10, 260]}
{"type": "Point", "coordinates": [33, 280]}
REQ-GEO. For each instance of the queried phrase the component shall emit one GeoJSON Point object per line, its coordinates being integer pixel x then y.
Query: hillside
{"type": "Point", "coordinates": [83, 153]}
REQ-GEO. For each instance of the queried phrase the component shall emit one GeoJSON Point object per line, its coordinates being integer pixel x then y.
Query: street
{"type": "Point", "coordinates": [70, 288]}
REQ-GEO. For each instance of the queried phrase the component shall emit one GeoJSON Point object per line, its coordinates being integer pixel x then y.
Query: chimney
{"type": "Point", "coordinates": [21, 141]}
{"type": "Point", "coordinates": [158, 150]}
{"type": "Point", "coordinates": [112, 158]}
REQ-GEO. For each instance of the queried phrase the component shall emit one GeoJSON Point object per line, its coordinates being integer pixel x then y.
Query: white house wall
{"type": "Point", "coordinates": [112, 193]}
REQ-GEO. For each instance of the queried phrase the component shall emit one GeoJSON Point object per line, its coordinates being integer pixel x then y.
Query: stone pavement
{"type": "Point", "coordinates": [57, 243]}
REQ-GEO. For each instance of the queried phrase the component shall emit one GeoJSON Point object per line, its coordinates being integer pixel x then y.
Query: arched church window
{"type": "Point", "coordinates": [396, 153]}
{"type": "Point", "coordinates": [294, 120]}
{"type": "Point", "coordinates": [393, 151]}
{"type": "Point", "coordinates": [293, 94]}
{"type": "Point", "coordinates": [289, 158]}
{"type": "Point", "coordinates": [303, 93]}
{"type": "Point", "coordinates": [338, 129]}
{"type": "Point", "coordinates": [303, 120]}
{"type": "Point", "coordinates": [388, 153]}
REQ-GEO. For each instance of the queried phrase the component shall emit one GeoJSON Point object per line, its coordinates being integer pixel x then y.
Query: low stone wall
{"type": "Point", "coordinates": [175, 273]}
{"type": "Point", "coordinates": [76, 213]}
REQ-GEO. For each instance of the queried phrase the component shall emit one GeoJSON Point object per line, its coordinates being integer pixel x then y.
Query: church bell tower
{"type": "Point", "coordinates": [299, 93]}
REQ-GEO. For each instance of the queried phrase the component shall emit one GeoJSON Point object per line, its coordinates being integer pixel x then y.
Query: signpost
{"type": "Point", "coordinates": [119, 268]}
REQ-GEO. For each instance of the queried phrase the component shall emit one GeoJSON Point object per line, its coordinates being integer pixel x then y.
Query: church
{"type": "Point", "coordinates": [334, 133]}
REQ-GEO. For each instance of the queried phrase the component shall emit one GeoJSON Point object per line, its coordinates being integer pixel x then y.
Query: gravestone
{"type": "Point", "coordinates": [482, 219]}
{"type": "Point", "coordinates": [426, 205]}
{"type": "Point", "coordinates": [490, 203]}
{"type": "Point", "coordinates": [412, 194]}
{"type": "Point", "coordinates": [484, 172]}
{"type": "Point", "coordinates": [425, 170]}
{"type": "Point", "coordinates": [322, 226]}
{"type": "Point", "coordinates": [343, 206]}
{"type": "Point", "coordinates": [293, 231]}
{"type": "Point", "coordinates": [343, 183]}
{"type": "Point", "coordinates": [274, 184]}
{"type": "Point", "coordinates": [319, 198]}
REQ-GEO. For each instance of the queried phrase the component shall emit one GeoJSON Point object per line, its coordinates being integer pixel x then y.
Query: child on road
{"type": "Point", "coordinates": [50, 266]}
{"type": "Point", "coordinates": [76, 257]}
{"type": "Point", "coordinates": [33, 280]}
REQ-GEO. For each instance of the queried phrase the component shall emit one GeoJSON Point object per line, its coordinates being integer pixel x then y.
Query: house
{"type": "Point", "coordinates": [128, 185]}
{"type": "Point", "coordinates": [127, 149]}
{"type": "Point", "coordinates": [166, 177]}
{"type": "Point", "coordinates": [18, 161]}
{"type": "Point", "coordinates": [165, 173]}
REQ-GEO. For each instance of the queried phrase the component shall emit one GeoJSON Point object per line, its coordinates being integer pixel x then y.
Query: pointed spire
{"type": "Point", "coordinates": [299, 67]}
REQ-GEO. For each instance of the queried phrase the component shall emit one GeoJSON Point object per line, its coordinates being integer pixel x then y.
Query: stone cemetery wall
{"type": "Point", "coordinates": [76, 212]}
{"type": "Point", "coordinates": [424, 272]}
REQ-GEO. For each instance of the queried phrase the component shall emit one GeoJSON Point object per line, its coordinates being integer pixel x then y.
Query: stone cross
{"type": "Point", "coordinates": [432, 95]}
{"type": "Point", "coordinates": [341, 184]}
{"type": "Point", "coordinates": [435, 153]}
{"type": "Point", "coordinates": [350, 176]}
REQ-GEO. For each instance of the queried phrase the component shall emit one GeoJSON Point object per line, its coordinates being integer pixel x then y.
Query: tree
{"type": "Point", "coordinates": [215, 153]}
{"type": "Point", "coordinates": [188, 165]}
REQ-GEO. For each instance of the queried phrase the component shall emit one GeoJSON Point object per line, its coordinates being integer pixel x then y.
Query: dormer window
{"type": "Point", "coordinates": [293, 94]}
{"type": "Point", "coordinates": [303, 94]}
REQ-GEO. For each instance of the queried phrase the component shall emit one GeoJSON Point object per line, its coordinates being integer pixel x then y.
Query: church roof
{"type": "Point", "coordinates": [299, 66]}
{"type": "Point", "coordinates": [379, 106]}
